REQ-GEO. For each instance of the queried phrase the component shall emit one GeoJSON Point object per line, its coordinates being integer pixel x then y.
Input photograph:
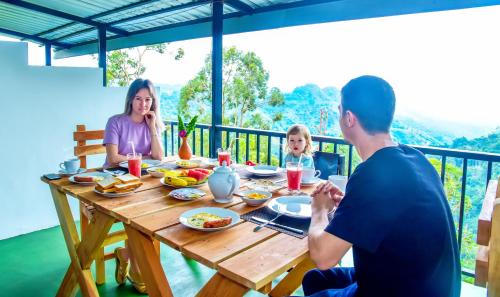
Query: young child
{"type": "Point", "coordinates": [299, 141]}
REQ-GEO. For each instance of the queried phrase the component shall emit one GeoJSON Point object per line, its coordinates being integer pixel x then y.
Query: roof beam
{"type": "Point", "coordinates": [144, 15]}
{"type": "Point", "coordinates": [33, 38]}
{"type": "Point", "coordinates": [241, 6]}
{"type": "Point", "coordinates": [101, 14]}
{"type": "Point", "coordinates": [64, 15]}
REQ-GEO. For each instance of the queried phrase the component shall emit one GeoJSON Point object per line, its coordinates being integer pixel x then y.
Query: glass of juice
{"type": "Point", "coordinates": [294, 176]}
{"type": "Point", "coordinates": [134, 164]}
{"type": "Point", "coordinates": [224, 155]}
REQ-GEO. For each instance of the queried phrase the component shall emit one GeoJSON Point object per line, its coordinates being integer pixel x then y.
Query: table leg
{"type": "Point", "coordinates": [145, 254]}
{"type": "Point", "coordinates": [222, 286]}
{"type": "Point", "coordinates": [293, 279]}
{"type": "Point", "coordinates": [81, 253]}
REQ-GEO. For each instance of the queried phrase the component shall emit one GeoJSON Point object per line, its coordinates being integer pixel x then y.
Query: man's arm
{"type": "Point", "coordinates": [325, 249]}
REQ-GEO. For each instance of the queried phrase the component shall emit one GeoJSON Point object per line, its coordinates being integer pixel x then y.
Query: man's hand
{"type": "Point", "coordinates": [335, 193]}
{"type": "Point", "coordinates": [322, 200]}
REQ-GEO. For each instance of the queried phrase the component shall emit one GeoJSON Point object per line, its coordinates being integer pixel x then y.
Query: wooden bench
{"type": "Point", "coordinates": [82, 150]}
{"type": "Point", "coordinates": [488, 239]}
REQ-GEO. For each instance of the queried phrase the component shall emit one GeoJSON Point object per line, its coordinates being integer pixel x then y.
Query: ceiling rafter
{"type": "Point", "coordinates": [34, 38]}
{"type": "Point", "coordinates": [239, 5]}
{"type": "Point", "coordinates": [64, 15]}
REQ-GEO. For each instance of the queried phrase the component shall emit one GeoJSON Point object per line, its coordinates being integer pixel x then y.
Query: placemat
{"type": "Point", "coordinates": [245, 174]}
{"type": "Point", "coordinates": [267, 214]}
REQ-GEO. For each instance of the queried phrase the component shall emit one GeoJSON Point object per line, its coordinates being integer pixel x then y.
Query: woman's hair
{"type": "Point", "coordinates": [134, 88]}
{"type": "Point", "coordinates": [300, 129]}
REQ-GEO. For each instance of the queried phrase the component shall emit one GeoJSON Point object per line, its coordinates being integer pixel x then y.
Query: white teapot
{"type": "Point", "coordinates": [223, 182]}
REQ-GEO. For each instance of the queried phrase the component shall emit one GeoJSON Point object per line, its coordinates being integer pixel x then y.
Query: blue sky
{"type": "Point", "coordinates": [443, 65]}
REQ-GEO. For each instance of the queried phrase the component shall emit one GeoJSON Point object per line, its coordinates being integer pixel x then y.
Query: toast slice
{"type": "Point", "coordinates": [129, 186]}
{"type": "Point", "coordinates": [127, 178]}
{"type": "Point", "coordinates": [107, 183]}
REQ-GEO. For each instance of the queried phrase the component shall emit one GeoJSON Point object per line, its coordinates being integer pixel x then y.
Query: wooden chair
{"type": "Point", "coordinates": [488, 239]}
{"type": "Point", "coordinates": [82, 150]}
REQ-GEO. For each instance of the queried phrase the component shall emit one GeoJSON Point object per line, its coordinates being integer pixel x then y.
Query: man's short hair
{"type": "Point", "coordinates": [372, 100]}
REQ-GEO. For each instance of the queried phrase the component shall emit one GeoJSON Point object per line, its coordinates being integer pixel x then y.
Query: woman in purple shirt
{"type": "Point", "coordinates": [141, 124]}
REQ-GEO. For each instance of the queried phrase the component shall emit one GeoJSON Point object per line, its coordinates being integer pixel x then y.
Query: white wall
{"type": "Point", "coordinates": [40, 108]}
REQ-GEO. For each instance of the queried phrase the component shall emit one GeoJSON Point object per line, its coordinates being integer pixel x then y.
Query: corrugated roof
{"type": "Point", "coordinates": [70, 26]}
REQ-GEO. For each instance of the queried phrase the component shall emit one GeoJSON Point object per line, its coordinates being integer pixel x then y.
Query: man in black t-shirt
{"type": "Point", "coordinates": [394, 213]}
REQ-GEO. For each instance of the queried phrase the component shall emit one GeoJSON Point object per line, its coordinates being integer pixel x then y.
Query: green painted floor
{"type": "Point", "coordinates": [34, 265]}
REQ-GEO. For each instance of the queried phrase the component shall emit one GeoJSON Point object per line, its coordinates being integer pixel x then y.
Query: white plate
{"type": "Point", "coordinates": [93, 174]}
{"type": "Point", "coordinates": [264, 170]}
{"type": "Point", "coordinates": [312, 181]}
{"type": "Point", "coordinates": [150, 163]}
{"type": "Point", "coordinates": [293, 206]}
{"type": "Point", "coordinates": [211, 162]}
{"type": "Point", "coordinates": [162, 181]}
{"type": "Point", "coordinates": [114, 195]}
{"type": "Point", "coordinates": [66, 173]}
{"type": "Point", "coordinates": [183, 194]}
{"type": "Point", "coordinates": [221, 212]}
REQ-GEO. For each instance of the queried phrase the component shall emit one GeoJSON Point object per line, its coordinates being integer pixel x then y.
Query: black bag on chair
{"type": "Point", "coordinates": [329, 164]}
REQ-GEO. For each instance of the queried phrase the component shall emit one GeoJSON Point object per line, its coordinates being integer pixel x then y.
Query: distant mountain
{"type": "Point", "coordinates": [303, 105]}
{"type": "Point", "coordinates": [490, 143]}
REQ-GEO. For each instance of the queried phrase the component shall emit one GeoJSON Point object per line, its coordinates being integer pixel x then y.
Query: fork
{"type": "Point", "coordinates": [257, 228]}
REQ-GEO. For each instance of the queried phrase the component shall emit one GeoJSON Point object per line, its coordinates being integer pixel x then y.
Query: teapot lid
{"type": "Point", "coordinates": [223, 168]}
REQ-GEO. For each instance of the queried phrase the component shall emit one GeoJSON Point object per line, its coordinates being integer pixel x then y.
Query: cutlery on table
{"type": "Point", "coordinates": [257, 228]}
{"type": "Point", "coordinates": [271, 223]}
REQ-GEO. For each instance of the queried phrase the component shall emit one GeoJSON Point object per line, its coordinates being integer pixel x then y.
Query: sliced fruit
{"type": "Point", "coordinates": [190, 180]}
{"type": "Point", "coordinates": [175, 181]}
{"type": "Point", "coordinates": [205, 171]}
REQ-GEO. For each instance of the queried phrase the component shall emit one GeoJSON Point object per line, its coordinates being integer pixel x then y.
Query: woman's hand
{"type": "Point", "coordinates": [150, 117]}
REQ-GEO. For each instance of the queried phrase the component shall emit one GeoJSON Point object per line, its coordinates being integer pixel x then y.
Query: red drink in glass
{"type": "Point", "coordinates": [294, 176]}
{"type": "Point", "coordinates": [134, 164]}
{"type": "Point", "coordinates": [224, 156]}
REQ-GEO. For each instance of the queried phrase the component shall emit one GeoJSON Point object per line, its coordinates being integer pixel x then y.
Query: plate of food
{"type": "Point", "coordinates": [88, 178]}
{"type": "Point", "coordinates": [209, 218]}
{"type": "Point", "coordinates": [186, 194]}
{"type": "Point", "coordinates": [188, 164]}
{"type": "Point", "coordinates": [118, 186]}
{"type": "Point", "coordinates": [264, 170]}
{"type": "Point", "coordinates": [160, 171]}
{"type": "Point", "coordinates": [267, 185]}
{"type": "Point", "coordinates": [196, 177]}
{"type": "Point", "coordinates": [292, 206]}
{"type": "Point", "coordinates": [145, 163]}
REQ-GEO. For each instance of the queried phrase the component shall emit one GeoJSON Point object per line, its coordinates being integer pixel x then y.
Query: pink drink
{"type": "Point", "coordinates": [294, 176]}
{"type": "Point", "coordinates": [134, 164]}
{"type": "Point", "coordinates": [224, 156]}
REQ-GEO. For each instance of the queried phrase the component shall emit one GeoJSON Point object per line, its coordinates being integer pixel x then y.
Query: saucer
{"type": "Point", "coordinates": [64, 172]}
{"type": "Point", "coordinates": [311, 181]}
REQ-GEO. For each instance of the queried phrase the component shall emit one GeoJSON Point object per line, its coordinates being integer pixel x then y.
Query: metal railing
{"type": "Point", "coordinates": [273, 142]}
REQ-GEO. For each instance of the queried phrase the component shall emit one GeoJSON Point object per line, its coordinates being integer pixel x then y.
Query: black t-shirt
{"type": "Point", "coordinates": [396, 216]}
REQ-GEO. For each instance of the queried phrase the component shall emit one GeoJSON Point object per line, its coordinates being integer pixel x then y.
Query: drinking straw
{"type": "Point", "coordinates": [133, 148]}
{"type": "Point", "coordinates": [300, 158]}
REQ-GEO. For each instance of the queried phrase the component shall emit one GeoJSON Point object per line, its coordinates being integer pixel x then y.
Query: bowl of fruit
{"type": "Point", "coordinates": [190, 178]}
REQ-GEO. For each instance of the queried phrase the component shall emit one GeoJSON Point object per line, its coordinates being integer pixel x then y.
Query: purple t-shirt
{"type": "Point", "coordinates": [120, 129]}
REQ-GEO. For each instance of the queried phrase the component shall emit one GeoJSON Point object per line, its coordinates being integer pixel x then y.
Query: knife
{"type": "Point", "coordinates": [277, 225]}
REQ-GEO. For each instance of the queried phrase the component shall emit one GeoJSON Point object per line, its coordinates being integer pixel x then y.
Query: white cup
{"type": "Point", "coordinates": [308, 174]}
{"type": "Point", "coordinates": [339, 180]}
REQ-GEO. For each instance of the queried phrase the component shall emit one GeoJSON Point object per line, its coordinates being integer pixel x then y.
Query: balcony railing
{"type": "Point", "coordinates": [263, 146]}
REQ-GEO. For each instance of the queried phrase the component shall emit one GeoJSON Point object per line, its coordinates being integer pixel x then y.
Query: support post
{"type": "Point", "coordinates": [217, 27]}
{"type": "Point", "coordinates": [102, 52]}
{"type": "Point", "coordinates": [48, 54]}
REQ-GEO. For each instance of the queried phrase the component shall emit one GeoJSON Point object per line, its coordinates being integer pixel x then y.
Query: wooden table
{"type": "Point", "coordinates": [243, 259]}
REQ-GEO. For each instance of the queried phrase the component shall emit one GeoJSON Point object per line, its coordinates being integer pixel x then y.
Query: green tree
{"type": "Point", "coordinates": [125, 65]}
{"type": "Point", "coordinates": [244, 88]}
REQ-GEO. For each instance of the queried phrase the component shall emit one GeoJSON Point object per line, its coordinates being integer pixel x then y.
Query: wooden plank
{"type": "Point", "coordinates": [83, 159]}
{"type": "Point", "coordinates": [293, 279]}
{"type": "Point", "coordinates": [143, 250]}
{"type": "Point", "coordinates": [484, 221]}
{"type": "Point", "coordinates": [89, 149]}
{"type": "Point", "coordinates": [494, 253]}
{"type": "Point", "coordinates": [88, 135]}
{"type": "Point", "coordinates": [151, 223]}
{"type": "Point", "coordinates": [221, 286]}
{"type": "Point", "coordinates": [275, 256]}
{"type": "Point", "coordinates": [220, 246]}
{"type": "Point", "coordinates": [481, 269]}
